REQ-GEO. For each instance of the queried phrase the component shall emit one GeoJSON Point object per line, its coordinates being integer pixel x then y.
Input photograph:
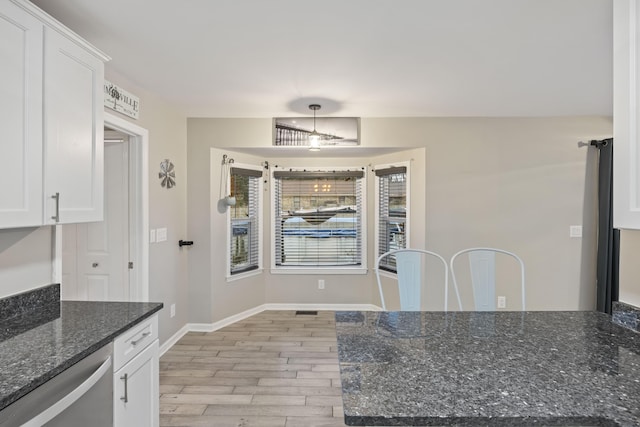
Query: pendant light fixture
{"type": "Point", "coordinates": [314, 137]}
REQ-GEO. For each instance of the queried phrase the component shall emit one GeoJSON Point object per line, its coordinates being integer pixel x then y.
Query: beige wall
{"type": "Point", "coordinates": [516, 184]}
{"type": "Point", "coordinates": [630, 267]}
{"type": "Point", "coordinates": [25, 259]}
{"type": "Point", "coordinates": [168, 278]}
{"type": "Point", "coordinates": [512, 183]}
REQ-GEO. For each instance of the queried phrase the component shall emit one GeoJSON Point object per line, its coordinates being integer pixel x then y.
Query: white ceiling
{"type": "Point", "coordinates": [361, 58]}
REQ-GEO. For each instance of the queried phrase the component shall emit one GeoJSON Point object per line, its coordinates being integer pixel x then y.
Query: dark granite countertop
{"type": "Point", "coordinates": [488, 368]}
{"type": "Point", "coordinates": [39, 342]}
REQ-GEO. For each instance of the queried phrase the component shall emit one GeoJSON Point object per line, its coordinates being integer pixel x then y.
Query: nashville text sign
{"type": "Point", "coordinates": [120, 100]}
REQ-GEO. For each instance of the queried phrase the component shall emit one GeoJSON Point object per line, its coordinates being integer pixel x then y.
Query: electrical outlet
{"type": "Point", "coordinates": [502, 302]}
{"type": "Point", "coordinates": [320, 284]}
{"type": "Point", "coordinates": [173, 310]}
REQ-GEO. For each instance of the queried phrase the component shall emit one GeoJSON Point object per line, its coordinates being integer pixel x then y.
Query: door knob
{"type": "Point", "coordinates": [95, 264]}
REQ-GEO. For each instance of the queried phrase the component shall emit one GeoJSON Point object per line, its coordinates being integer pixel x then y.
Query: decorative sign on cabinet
{"type": "Point", "coordinates": [51, 113]}
{"type": "Point", "coordinates": [626, 115]}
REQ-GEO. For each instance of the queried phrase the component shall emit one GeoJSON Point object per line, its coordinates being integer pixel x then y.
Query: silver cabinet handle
{"type": "Point", "coordinates": [56, 217]}
{"type": "Point", "coordinates": [146, 334]}
{"type": "Point", "coordinates": [125, 398]}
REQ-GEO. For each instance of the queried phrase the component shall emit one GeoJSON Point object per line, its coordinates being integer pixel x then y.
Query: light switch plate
{"type": "Point", "coordinates": [502, 302]}
{"type": "Point", "coordinates": [161, 234]}
{"type": "Point", "coordinates": [152, 236]}
{"type": "Point", "coordinates": [575, 231]}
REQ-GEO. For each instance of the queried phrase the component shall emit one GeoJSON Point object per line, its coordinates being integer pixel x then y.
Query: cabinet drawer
{"type": "Point", "coordinates": [132, 342]}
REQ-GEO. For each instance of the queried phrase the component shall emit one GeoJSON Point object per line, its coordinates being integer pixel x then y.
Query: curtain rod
{"type": "Point", "coordinates": [595, 143]}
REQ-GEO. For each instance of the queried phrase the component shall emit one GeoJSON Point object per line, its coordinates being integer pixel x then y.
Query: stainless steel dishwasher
{"type": "Point", "coordinates": [80, 396]}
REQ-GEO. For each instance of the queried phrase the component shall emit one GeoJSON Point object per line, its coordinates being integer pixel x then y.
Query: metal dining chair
{"type": "Point", "coordinates": [410, 265]}
{"type": "Point", "coordinates": [482, 272]}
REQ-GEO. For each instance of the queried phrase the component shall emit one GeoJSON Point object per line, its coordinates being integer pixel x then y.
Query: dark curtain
{"type": "Point", "coordinates": [608, 237]}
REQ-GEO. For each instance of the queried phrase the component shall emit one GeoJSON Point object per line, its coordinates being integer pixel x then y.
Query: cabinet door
{"type": "Point", "coordinates": [20, 117]}
{"type": "Point", "coordinates": [626, 114]}
{"type": "Point", "coordinates": [141, 389]}
{"type": "Point", "coordinates": [73, 131]}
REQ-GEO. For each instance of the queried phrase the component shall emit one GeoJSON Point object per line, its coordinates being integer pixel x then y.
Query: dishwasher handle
{"type": "Point", "coordinates": [62, 404]}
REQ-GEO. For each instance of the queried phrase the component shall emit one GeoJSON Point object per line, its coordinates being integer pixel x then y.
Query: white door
{"type": "Point", "coordinates": [95, 255]}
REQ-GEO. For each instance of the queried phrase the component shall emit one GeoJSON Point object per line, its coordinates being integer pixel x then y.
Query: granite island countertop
{"type": "Point", "coordinates": [488, 368]}
{"type": "Point", "coordinates": [40, 341]}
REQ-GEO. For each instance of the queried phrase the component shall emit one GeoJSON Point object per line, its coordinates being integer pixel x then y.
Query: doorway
{"type": "Point", "coordinates": [95, 255]}
{"type": "Point", "coordinates": [109, 260]}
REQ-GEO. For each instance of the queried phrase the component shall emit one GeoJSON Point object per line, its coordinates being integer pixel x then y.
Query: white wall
{"type": "Point", "coordinates": [513, 183]}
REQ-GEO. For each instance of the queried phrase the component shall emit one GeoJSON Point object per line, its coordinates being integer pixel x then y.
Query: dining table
{"type": "Point", "coordinates": [503, 368]}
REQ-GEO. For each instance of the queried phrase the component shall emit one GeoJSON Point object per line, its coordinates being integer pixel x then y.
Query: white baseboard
{"type": "Point", "coordinates": [173, 339]}
{"type": "Point", "coordinates": [210, 327]}
{"type": "Point", "coordinates": [323, 307]}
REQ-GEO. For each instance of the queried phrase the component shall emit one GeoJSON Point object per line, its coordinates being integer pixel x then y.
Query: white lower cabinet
{"type": "Point", "coordinates": [136, 377]}
{"type": "Point", "coordinates": [136, 390]}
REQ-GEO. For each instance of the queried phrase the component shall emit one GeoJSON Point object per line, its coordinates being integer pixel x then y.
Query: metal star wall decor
{"type": "Point", "coordinates": [167, 174]}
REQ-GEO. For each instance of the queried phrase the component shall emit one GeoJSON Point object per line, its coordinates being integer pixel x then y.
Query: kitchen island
{"type": "Point", "coordinates": [488, 368]}
{"type": "Point", "coordinates": [42, 336]}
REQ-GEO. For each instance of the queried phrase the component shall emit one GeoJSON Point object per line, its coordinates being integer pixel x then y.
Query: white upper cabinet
{"type": "Point", "coordinates": [51, 116]}
{"type": "Point", "coordinates": [626, 116]}
{"type": "Point", "coordinates": [20, 117]}
{"type": "Point", "coordinates": [73, 132]}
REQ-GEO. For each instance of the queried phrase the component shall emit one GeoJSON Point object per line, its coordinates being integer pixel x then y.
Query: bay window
{"type": "Point", "coordinates": [244, 220]}
{"type": "Point", "coordinates": [318, 219]}
{"type": "Point", "coordinates": [391, 202]}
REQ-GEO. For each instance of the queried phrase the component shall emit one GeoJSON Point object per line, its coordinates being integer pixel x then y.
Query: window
{"type": "Point", "coordinates": [244, 216]}
{"type": "Point", "coordinates": [319, 219]}
{"type": "Point", "coordinates": [392, 212]}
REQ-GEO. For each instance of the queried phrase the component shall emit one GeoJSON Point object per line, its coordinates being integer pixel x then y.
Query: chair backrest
{"type": "Point", "coordinates": [411, 277]}
{"type": "Point", "coordinates": [482, 270]}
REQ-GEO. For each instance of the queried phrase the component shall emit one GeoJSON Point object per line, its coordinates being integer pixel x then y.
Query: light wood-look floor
{"type": "Point", "coordinates": [272, 369]}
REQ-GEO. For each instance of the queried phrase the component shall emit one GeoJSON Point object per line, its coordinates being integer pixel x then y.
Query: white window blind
{"type": "Point", "coordinates": [392, 212]}
{"type": "Point", "coordinates": [318, 218]}
{"type": "Point", "coordinates": [244, 247]}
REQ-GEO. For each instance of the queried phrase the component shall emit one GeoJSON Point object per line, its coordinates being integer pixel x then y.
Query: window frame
{"type": "Point", "coordinates": [230, 277]}
{"type": "Point", "coordinates": [304, 270]}
{"type": "Point", "coordinates": [377, 231]}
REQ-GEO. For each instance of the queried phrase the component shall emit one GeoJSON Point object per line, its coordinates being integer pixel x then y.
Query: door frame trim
{"type": "Point", "coordinates": [138, 208]}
